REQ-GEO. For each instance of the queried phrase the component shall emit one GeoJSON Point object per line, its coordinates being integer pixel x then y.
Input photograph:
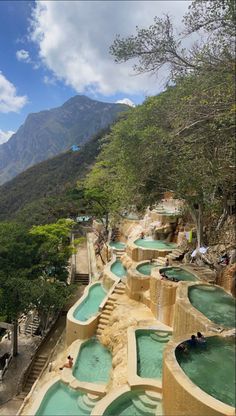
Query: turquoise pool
{"type": "Point", "coordinates": [146, 268]}
{"type": "Point", "coordinates": [150, 345]}
{"type": "Point", "coordinates": [90, 305]}
{"type": "Point", "coordinates": [154, 244]}
{"type": "Point", "coordinates": [61, 400]}
{"type": "Point", "coordinates": [118, 269]}
{"type": "Point", "coordinates": [134, 403]}
{"type": "Point", "coordinates": [93, 363]}
{"type": "Point", "coordinates": [179, 273]}
{"type": "Point", "coordinates": [117, 244]}
{"type": "Point", "coordinates": [212, 367]}
{"type": "Point", "coordinates": [214, 303]}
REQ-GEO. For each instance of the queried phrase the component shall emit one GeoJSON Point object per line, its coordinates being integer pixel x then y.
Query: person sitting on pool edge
{"type": "Point", "coordinates": [69, 364]}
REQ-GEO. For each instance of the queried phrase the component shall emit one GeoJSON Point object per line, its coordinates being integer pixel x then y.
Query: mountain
{"type": "Point", "coordinates": [47, 191]}
{"type": "Point", "coordinates": [50, 132]}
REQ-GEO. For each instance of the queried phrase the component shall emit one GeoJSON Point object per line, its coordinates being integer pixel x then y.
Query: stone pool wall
{"type": "Point", "coordinates": [186, 317]}
{"type": "Point", "coordinates": [181, 396]}
{"type": "Point", "coordinates": [162, 298]}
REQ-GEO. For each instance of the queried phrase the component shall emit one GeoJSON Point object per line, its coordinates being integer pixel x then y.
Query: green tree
{"type": "Point", "coordinates": [54, 247]}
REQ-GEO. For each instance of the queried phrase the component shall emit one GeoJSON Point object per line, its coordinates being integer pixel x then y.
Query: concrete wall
{"type": "Point", "coordinates": [188, 319]}
{"type": "Point", "coordinates": [162, 297]}
{"type": "Point", "coordinates": [80, 329]}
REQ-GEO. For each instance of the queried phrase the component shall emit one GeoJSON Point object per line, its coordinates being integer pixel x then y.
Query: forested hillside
{"type": "Point", "coordinates": [50, 132]}
{"type": "Point", "coordinates": [47, 191]}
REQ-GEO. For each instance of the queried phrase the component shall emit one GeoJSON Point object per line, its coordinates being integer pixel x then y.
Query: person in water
{"type": "Point", "coordinates": [69, 364]}
{"type": "Point", "coordinates": [192, 341]}
{"type": "Point", "coordinates": [200, 338]}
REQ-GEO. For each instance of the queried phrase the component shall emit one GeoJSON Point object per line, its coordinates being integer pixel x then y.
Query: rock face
{"type": "Point", "coordinates": [50, 132]}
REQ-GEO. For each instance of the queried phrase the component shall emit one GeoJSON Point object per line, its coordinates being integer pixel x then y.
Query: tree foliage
{"type": "Point", "coordinates": [183, 139]}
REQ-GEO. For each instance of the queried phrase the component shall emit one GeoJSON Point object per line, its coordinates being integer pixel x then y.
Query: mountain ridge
{"type": "Point", "coordinates": [47, 133]}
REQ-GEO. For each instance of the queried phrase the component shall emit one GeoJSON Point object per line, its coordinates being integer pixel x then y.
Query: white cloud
{"type": "Point", "coordinates": [126, 101]}
{"type": "Point", "coordinates": [74, 39]}
{"type": "Point", "coordinates": [49, 80]}
{"type": "Point", "coordinates": [5, 135]}
{"type": "Point", "coordinates": [9, 100]}
{"type": "Point", "coordinates": [23, 55]}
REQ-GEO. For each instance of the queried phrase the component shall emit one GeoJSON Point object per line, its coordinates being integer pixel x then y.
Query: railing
{"type": "Point", "coordinates": [4, 369]}
{"type": "Point", "coordinates": [25, 375]}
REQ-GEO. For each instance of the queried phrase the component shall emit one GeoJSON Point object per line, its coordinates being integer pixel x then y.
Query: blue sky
{"type": "Point", "coordinates": [51, 51]}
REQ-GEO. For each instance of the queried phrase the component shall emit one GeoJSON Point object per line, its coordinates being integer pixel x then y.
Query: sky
{"type": "Point", "coordinates": [53, 50]}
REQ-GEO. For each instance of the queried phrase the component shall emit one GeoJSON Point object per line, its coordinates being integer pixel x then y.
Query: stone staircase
{"type": "Point", "coordinates": [81, 279]}
{"type": "Point", "coordinates": [109, 307]}
{"type": "Point", "coordinates": [148, 403]}
{"type": "Point", "coordinates": [175, 254]}
{"type": "Point", "coordinates": [34, 373]}
{"type": "Point", "coordinates": [119, 252]}
{"type": "Point", "coordinates": [86, 403]}
{"type": "Point", "coordinates": [32, 327]}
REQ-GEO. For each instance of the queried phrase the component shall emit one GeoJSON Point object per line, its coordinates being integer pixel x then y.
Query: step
{"type": "Point", "coordinates": [101, 326]}
{"type": "Point", "coordinates": [119, 291]}
{"type": "Point", "coordinates": [112, 297]}
{"type": "Point", "coordinates": [109, 307]}
{"type": "Point", "coordinates": [38, 366]}
{"type": "Point", "coordinates": [153, 395]}
{"type": "Point", "coordinates": [99, 332]}
{"type": "Point", "coordinates": [142, 409]}
{"type": "Point", "coordinates": [82, 406]}
{"type": "Point", "coordinates": [93, 397]}
{"type": "Point", "coordinates": [89, 403]}
{"type": "Point", "coordinates": [103, 321]}
{"type": "Point", "coordinates": [147, 401]}
{"type": "Point", "coordinates": [106, 313]}
{"type": "Point", "coordinates": [110, 302]}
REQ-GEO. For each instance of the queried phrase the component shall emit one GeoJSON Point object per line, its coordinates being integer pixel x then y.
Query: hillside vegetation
{"type": "Point", "coordinates": [50, 132]}
{"type": "Point", "coordinates": [47, 191]}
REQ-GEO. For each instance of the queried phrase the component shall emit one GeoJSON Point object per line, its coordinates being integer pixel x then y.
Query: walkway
{"type": "Point", "coordinates": [81, 263]}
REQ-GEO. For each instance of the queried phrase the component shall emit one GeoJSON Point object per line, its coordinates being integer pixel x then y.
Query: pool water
{"type": "Point", "coordinates": [212, 367]}
{"type": "Point", "coordinates": [61, 400]}
{"type": "Point", "coordinates": [214, 303]}
{"type": "Point", "coordinates": [146, 268]}
{"type": "Point", "coordinates": [117, 244]}
{"type": "Point", "coordinates": [90, 305]}
{"type": "Point", "coordinates": [93, 363]}
{"type": "Point", "coordinates": [179, 273]}
{"type": "Point", "coordinates": [150, 346]}
{"type": "Point", "coordinates": [118, 269]}
{"type": "Point", "coordinates": [154, 244]}
{"type": "Point", "coordinates": [134, 403]}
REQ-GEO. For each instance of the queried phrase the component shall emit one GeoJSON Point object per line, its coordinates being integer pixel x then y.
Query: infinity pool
{"type": "Point", "coordinates": [214, 303]}
{"type": "Point", "coordinates": [212, 367]}
{"type": "Point", "coordinates": [179, 273]}
{"type": "Point", "coordinates": [117, 244]}
{"type": "Point", "coordinates": [146, 268]}
{"type": "Point", "coordinates": [90, 305]}
{"type": "Point", "coordinates": [150, 346]}
{"type": "Point", "coordinates": [118, 269]}
{"type": "Point", "coordinates": [93, 363]}
{"type": "Point", "coordinates": [154, 244]}
{"type": "Point", "coordinates": [61, 400]}
{"type": "Point", "coordinates": [135, 403]}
